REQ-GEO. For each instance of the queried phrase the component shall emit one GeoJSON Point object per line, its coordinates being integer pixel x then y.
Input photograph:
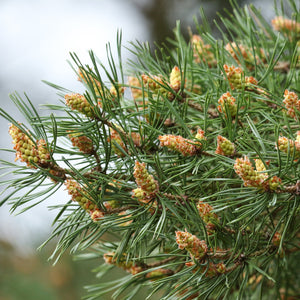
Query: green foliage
{"type": "Point", "coordinates": [191, 181]}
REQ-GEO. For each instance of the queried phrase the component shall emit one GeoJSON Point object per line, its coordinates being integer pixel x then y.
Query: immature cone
{"type": "Point", "coordinates": [227, 105]}
{"type": "Point", "coordinates": [144, 180]}
{"type": "Point", "coordinates": [224, 147]}
{"type": "Point", "coordinates": [202, 52]}
{"type": "Point", "coordinates": [82, 142]}
{"type": "Point", "coordinates": [178, 143]}
{"type": "Point", "coordinates": [192, 244]}
{"type": "Point", "coordinates": [79, 103]}
{"type": "Point", "coordinates": [292, 103]}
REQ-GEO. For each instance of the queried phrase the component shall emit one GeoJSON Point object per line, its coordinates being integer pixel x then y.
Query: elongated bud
{"type": "Point", "coordinates": [192, 244]}
{"type": "Point", "coordinates": [227, 105]}
{"type": "Point", "coordinates": [79, 103]}
{"type": "Point", "coordinates": [224, 147]}
{"type": "Point", "coordinates": [82, 142]}
{"type": "Point", "coordinates": [178, 143]}
{"type": "Point", "coordinates": [175, 79]}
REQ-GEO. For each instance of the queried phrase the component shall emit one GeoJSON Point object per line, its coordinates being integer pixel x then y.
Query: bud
{"type": "Point", "coordinates": [202, 52]}
{"type": "Point", "coordinates": [159, 273]}
{"type": "Point", "coordinates": [96, 215]}
{"type": "Point", "coordinates": [144, 180]}
{"type": "Point", "coordinates": [136, 89]}
{"type": "Point", "coordinates": [79, 196]}
{"type": "Point", "coordinates": [224, 147]}
{"type": "Point", "coordinates": [178, 143]}
{"type": "Point", "coordinates": [26, 150]}
{"type": "Point", "coordinates": [276, 239]}
{"type": "Point", "coordinates": [43, 153]}
{"type": "Point", "coordinates": [215, 269]}
{"type": "Point", "coordinates": [207, 215]}
{"type": "Point", "coordinates": [192, 244]}
{"type": "Point", "coordinates": [139, 193]}
{"type": "Point", "coordinates": [236, 78]}
{"type": "Point", "coordinates": [245, 170]}
{"type": "Point", "coordinates": [236, 51]}
{"type": "Point", "coordinates": [289, 146]}
{"type": "Point", "coordinates": [259, 165]}
{"type": "Point", "coordinates": [122, 262]}
{"type": "Point", "coordinates": [155, 84]}
{"type": "Point", "coordinates": [82, 142]}
{"type": "Point", "coordinates": [126, 218]}
{"type": "Point", "coordinates": [175, 79]}
{"type": "Point", "coordinates": [227, 104]}
{"type": "Point", "coordinates": [200, 136]}
{"type": "Point", "coordinates": [79, 103]}
{"type": "Point", "coordinates": [292, 103]}
{"type": "Point", "coordinates": [286, 26]}
{"type": "Point", "coordinates": [274, 183]}
{"type": "Point", "coordinates": [90, 80]}
{"type": "Point", "coordinates": [115, 138]}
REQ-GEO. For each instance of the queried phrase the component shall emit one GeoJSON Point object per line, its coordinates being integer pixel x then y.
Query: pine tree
{"type": "Point", "coordinates": [182, 169]}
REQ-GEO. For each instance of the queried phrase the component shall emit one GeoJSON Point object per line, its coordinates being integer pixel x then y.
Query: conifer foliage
{"type": "Point", "coordinates": [182, 169]}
